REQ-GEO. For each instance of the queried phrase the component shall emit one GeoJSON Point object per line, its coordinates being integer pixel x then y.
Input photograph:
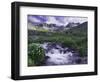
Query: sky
{"type": "Point", "coordinates": [59, 20]}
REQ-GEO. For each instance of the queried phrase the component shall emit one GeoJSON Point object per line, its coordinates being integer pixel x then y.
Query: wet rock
{"type": "Point", "coordinates": [47, 57]}
{"type": "Point", "coordinates": [78, 61]}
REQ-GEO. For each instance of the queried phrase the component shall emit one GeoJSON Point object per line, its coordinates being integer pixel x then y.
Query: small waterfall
{"type": "Point", "coordinates": [56, 54]}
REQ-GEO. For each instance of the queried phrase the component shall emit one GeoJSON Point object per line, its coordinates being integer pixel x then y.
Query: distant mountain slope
{"type": "Point", "coordinates": [80, 29]}
{"type": "Point", "coordinates": [56, 28]}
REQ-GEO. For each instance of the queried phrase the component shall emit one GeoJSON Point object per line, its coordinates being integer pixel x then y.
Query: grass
{"type": "Point", "coordinates": [78, 41]}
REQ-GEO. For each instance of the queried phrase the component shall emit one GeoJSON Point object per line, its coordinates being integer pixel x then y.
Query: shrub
{"type": "Point", "coordinates": [35, 54]}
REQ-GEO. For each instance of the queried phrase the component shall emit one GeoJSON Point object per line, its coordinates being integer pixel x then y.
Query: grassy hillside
{"type": "Point", "coordinates": [79, 34]}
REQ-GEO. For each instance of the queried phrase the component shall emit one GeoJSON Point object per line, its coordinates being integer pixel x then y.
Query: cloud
{"type": "Point", "coordinates": [59, 20]}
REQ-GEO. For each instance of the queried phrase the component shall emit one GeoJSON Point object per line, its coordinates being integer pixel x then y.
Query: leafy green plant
{"type": "Point", "coordinates": [35, 54]}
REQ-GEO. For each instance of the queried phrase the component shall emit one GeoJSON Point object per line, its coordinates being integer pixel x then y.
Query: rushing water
{"type": "Point", "coordinates": [56, 54]}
